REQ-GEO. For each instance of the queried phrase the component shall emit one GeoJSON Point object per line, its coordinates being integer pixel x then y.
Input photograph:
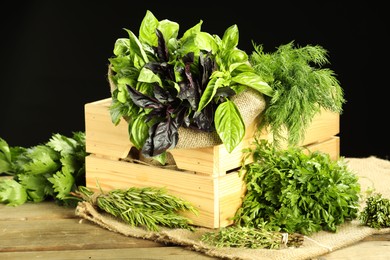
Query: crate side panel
{"type": "Point", "coordinates": [102, 136]}
{"type": "Point", "coordinates": [199, 190]}
{"type": "Point", "coordinates": [324, 125]}
{"type": "Point", "coordinates": [231, 190]}
{"type": "Point", "coordinates": [230, 161]}
{"type": "Point", "coordinates": [330, 146]}
{"type": "Point", "coordinates": [196, 159]}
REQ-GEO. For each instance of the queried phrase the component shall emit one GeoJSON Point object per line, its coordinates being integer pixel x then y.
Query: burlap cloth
{"type": "Point", "coordinates": [374, 173]}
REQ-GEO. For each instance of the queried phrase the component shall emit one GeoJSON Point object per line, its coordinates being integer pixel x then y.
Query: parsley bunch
{"type": "Point", "coordinates": [297, 191]}
{"type": "Point", "coordinates": [50, 170]}
{"type": "Point", "coordinates": [376, 213]}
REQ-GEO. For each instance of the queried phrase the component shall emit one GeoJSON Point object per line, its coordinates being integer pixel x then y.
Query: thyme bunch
{"type": "Point", "coordinates": [149, 207]}
{"type": "Point", "coordinates": [376, 213]}
{"type": "Point", "coordinates": [250, 237]}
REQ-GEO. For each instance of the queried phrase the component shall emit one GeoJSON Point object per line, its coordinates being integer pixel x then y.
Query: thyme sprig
{"type": "Point", "coordinates": [149, 207]}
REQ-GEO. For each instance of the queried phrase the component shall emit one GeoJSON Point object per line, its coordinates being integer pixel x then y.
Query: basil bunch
{"type": "Point", "coordinates": [163, 82]}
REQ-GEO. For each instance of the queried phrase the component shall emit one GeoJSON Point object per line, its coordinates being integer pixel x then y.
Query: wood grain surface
{"type": "Point", "coordinates": [47, 231]}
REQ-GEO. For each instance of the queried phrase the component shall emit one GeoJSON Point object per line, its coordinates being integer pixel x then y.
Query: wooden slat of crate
{"type": "Point", "coordinates": [106, 139]}
{"type": "Point", "coordinates": [330, 146]}
{"type": "Point", "coordinates": [102, 136]}
{"type": "Point", "coordinates": [216, 198]}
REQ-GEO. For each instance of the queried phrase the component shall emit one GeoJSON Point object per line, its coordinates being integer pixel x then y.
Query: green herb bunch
{"type": "Point", "coordinates": [298, 191]}
{"type": "Point", "coordinates": [302, 87]}
{"type": "Point", "coordinates": [149, 207]}
{"type": "Point", "coordinates": [48, 171]}
{"type": "Point", "coordinates": [163, 82]}
{"type": "Point", "coordinates": [250, 237]}
{"type": "Point", "coordinates": [376, 213]}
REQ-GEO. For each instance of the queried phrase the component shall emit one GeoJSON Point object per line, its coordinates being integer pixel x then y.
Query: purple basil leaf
{"type": "Point", "coordinates": [204, 119]}
{"type": "Point", "coordinates": [208, 66]}
{"type": "Point", "coordinates": [162, 136]}
{"type": "Point", "coordinates": [162, 50]}
{"type": "Point", "coordinates": [189, 88]}
{"type": "Point", "coordinates": [162, 95]}
{"type": "Point", "coordinates": [142, 100]}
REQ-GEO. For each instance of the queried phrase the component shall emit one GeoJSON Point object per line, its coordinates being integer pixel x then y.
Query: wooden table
{"type": "Point", "coordinates": [47, 231]}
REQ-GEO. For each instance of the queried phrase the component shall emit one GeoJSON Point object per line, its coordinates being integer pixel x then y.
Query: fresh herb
{"type": "Point", "coordinates": [149, 207]}
{"type": "Point", "coordinates": [50, 170]}
{"type": "Point", "coordinates": [299, 191]}
{"type": "Point", "coordinates": [250, 237]}
{"type": "Point", "coordinates": [163, 82]}
{"type": "Point", "coordinates": [301, 85]}
{"type": "Point", "coordinates": [376, 213]}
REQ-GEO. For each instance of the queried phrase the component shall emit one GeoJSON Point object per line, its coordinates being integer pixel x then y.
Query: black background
{"type": "Point", "coordinates": [54, 57]}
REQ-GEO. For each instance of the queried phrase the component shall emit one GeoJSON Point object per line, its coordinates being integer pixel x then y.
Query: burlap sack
{"type": "Point", "coordinates": [250, 103]}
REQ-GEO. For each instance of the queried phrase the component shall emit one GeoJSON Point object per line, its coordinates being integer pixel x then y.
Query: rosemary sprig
{"type": "Point", "coordinates": [149, 207]}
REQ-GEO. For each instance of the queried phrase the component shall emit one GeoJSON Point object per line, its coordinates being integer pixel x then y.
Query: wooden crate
{"type": "Point", "coordinates": [206, 177]}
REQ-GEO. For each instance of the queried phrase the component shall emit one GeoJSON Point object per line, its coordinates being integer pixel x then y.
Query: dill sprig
{"type": "Point", "coordinates": [302, 86]}
{"type": "Point", "coordinates": [149, 207]}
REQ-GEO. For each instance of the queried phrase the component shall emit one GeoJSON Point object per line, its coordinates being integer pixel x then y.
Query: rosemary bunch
{"type": "Point", "coordinates": [149, 207]}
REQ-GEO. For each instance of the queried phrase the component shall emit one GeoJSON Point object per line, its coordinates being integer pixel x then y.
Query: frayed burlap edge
{"type": "Point", "coordinates": [373, 173]}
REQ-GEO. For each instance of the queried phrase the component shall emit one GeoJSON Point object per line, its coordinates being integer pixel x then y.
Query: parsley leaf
{"type": "Point", "coordinates": [46, 171]}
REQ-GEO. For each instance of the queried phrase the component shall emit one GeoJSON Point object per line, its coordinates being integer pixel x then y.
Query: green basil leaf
{"type": "Point", "coordinates": [229, 125]}
{"type": "Point", "coordinates": [147, 30]}
{"type": "Point", "coordinates": [254, 81]}
{"type": "Point", "coordinates": [146, 75]}
{"type": "Point", "coordinates": [192, 31]}
{"type": "Point", "coordinates": [139, 131]}
{"type": "Point", "coordinates": [169, 29]}
{"type": "Point", "coordinates": [230, 38]}
{"type": "Point", "coordinates": [121, 46]}
{"type": "Point", "coordinates": [205, 41]}
{"type": "Point", "coordinates": [209, 93]}
{"type": "Point", "coordinates": [137, 53]}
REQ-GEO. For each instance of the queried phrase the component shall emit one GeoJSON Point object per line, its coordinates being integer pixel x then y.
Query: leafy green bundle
{"type": "Point", "coordinates": [296, 191]}
{"type": "Point", "coordinates": [149, 207]}
{"type": "Point", "coordinates": [163, 82]}
{"type": "Point", "coordinates": [50, 170]}
{"type": "Point", "coordinates": [301, 85]}
{"type": "Point", "coordinates": [250, 237]}
{"type": "Point", "coordinates": [376, 213]}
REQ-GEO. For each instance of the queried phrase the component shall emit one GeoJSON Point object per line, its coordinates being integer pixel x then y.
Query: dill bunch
{"type": "Point", "coordinates": [302, 86]}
